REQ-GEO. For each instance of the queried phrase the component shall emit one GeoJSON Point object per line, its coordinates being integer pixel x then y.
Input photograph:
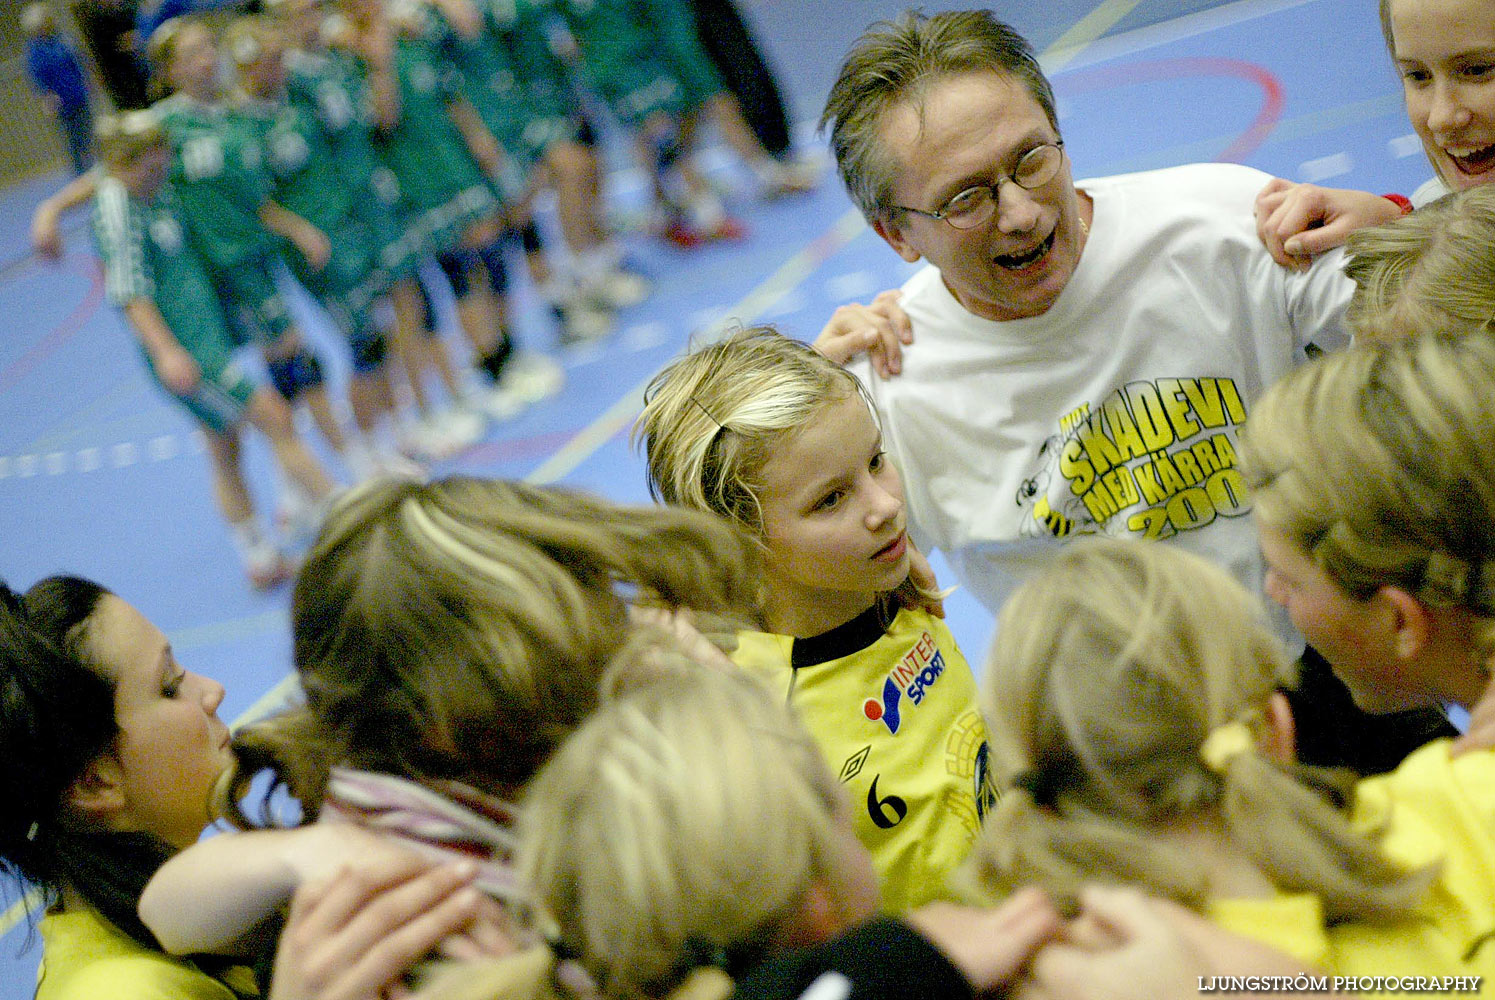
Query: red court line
{"type": "Point", "coordinates": [58, 335]}
{"type": "Point", "coordinates": [1267, 116]}
{"type": "Point", "coordinates": [511, 449]}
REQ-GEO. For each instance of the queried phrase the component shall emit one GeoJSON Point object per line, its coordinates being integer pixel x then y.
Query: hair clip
{"type": "Point", "coordinates": [1224, 744]}
{"type": "Point", "coordinates": [719, 425]}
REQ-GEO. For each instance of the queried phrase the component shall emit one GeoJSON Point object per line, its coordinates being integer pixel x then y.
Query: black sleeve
{"type": "Point", "coordinates": [880, 960]}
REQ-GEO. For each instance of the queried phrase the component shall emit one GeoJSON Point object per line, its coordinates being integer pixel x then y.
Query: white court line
{"type": "Point", "coordinates": [1071, 47]}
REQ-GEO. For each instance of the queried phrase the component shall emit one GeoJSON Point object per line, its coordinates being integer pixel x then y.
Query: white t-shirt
{"type": "Point", "coordinates": [1116, 411]}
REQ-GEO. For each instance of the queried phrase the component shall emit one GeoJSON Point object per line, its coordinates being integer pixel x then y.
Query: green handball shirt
{"type": "Point", "coordinates": [442, 189]}
{"type": "Point", "coordinates": [146, 256]}
{"type": "Point", "coordinates": [642, 56]}
{"type": "Point", "coordinates": [521, 28]}
{"type": "Point", "coordinates": [217, 167]}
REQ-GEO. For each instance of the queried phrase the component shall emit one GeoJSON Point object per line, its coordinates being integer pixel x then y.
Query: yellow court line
{"type": "Point", "coordinates": [1087, 29]}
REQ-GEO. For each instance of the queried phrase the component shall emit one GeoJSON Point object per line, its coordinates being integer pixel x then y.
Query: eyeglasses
{"type": "Point", "coordinates": [975, 205]}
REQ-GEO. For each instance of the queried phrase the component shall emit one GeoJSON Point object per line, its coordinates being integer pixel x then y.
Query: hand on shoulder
{"type": "Point", "coordinates": [880, 329]}
{"type": "Point", "coordinates": [1296, 222]}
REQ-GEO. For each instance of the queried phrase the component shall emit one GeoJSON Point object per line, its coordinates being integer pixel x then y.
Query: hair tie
{"type": "Point", "coordinates": [1044, 783]}
{"type": "Point", "coordinates": [1224, 744]}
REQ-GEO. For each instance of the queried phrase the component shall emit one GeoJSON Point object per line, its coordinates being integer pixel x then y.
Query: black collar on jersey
{"type": "Point", "coordinates": [847, 638]}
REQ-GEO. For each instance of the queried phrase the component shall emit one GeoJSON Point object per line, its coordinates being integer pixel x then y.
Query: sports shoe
{"type": "Point", "coordinates": [388, 462]}
{"type": "Point", "coordinates": [581, 322]}
{"type": "Point", "coordinates": [299, 518]}
{"type": "Point", "coordinates": [532, 377]}
{"type": "Point", "coordinates": [727, 228]}
{"type": "Point", "coordinates": [439, 436]}
{"type": "Point", "coordinates": [778, 178]}
{"type": "Point", "coordinates": [616, 289]}
{"type": "Point", "coordinates": [500, 401]}
{"type": "Point", "coordinates": [460, 424]}
{"type": "Point", "coordinates": [682, 234]}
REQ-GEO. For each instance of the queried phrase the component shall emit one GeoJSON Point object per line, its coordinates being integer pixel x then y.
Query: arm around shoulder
{"type": "Point", "coordinates": [215, 896]}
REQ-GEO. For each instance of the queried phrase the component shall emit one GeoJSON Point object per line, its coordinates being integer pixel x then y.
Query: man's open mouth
{"type": "Point", "coordinates": [1018, 261]}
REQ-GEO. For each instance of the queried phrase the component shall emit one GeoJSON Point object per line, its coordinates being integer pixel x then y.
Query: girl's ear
{"type": "Point", "coordinates": [97, 796]}
{"type": "Point", "coordinates": [1410, 620]}
{"type": "Point", "coordinates": [1280, 741]}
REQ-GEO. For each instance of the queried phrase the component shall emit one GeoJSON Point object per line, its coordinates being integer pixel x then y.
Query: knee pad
{"type": "Point", "coordinates": [454, 264]}
{"type": "Point", "coordinates": [492, 257]}
{"type": "Point", "coordinates": [529, 237]}
{"type": "Point", "coordinates": [294, 375]}
{"type": "Point", "coordinates": [369, 350]}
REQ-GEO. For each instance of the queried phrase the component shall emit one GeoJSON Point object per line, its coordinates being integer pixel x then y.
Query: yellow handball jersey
{"type": "Point", "coordinates": [1433, 809]}
{"type": "Point", "coordinates": [893, 705]}
{"type": "Point", "coordinates": [85, 957]}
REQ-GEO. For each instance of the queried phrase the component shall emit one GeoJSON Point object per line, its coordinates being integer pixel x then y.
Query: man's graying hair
{"type": "Point", "coordinates": [895, 62]}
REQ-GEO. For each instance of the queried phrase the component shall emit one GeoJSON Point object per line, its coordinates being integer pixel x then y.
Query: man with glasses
{"type": "Point", "coordinates": [1082, 357]}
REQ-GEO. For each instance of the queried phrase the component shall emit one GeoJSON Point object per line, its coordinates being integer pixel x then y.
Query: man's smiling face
{"type": "Point", "coordinates": [971, 130]}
